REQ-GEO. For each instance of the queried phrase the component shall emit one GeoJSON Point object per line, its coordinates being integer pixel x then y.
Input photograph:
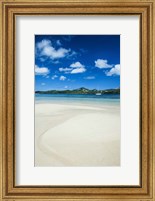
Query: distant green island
{"type": "Point", "coordinates": [81, 90]}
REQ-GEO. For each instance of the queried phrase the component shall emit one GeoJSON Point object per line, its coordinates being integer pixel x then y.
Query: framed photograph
{"type": "Point", "coordinates": [80, 100]}
{"type": "Point", "coordinates": [77, 100]}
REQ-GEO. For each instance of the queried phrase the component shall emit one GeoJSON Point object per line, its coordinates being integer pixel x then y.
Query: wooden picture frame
{"type": "Point", "coordinates": [145, 9]}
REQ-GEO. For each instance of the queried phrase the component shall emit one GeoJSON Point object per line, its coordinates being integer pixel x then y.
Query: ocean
{"type": "Point", "coordinates": [84, 99]}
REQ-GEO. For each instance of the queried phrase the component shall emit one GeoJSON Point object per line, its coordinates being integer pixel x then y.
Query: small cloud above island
{"type": "Point", "coordinates": [41, 70]}
{"type": "Point", "coordinates": [62, 78]}
{"type": "Point", "coordinates": [102, 63]}
{"type": "Point", "coordinates": [74, 68]}
{"type": "Point", "coordinates": [114, 71]}
{"type": "Point", "coordinates": [78, 68]}
{"type": "Point", "coordinates": [66, 70]}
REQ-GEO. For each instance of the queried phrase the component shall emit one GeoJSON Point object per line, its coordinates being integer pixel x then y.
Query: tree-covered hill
{"type": "Point", "coordinates": [81, 90]}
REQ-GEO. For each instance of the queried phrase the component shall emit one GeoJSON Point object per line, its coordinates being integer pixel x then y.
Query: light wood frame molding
{"type": "Point", "coordinates": [9, 9]}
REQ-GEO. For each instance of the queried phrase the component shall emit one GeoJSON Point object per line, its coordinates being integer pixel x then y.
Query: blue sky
{"type": "Point", "coordinates": [74, 61]}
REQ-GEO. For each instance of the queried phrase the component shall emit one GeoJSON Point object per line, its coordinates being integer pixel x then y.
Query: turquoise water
{"type": "Point", "coordinates": [78, 99]}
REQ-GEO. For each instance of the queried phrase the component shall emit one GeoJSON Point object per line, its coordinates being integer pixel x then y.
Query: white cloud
{"type": "Point", "coordinates": [45, 48]}
{"type": "Point", "coordinates": [53, 77]}
{"type": "Point", "coordinates": [90, 78]}
{"type": "Point", "coordinates": [78, 70]}
{"type": "Point", "coordinates": [64, 69]}
{"type": "Point", "coordinates": [101, 63]}
{"type": "Point", "coordinates": [62, 78]}
{"type": "Point", "coordinates": [74, 68]}
{"type": "Point", "coordinates": [41, 70]}
{"type": "Point", "coordinates": [43, 84]}
{"type": "Point", "coordinates": [43, 43]}
{"type": "Point", "coordinates": [66, 87]}
{"type": "Point", "coordinates": [77, 65]}
{"type": "Point", "coordinates": [53, 53]}
{"type": "Point", "coordinates": [114, 71]}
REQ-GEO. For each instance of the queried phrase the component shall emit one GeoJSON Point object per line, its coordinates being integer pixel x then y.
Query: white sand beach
{"type": "Point", "coordinates": [77, 135]}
